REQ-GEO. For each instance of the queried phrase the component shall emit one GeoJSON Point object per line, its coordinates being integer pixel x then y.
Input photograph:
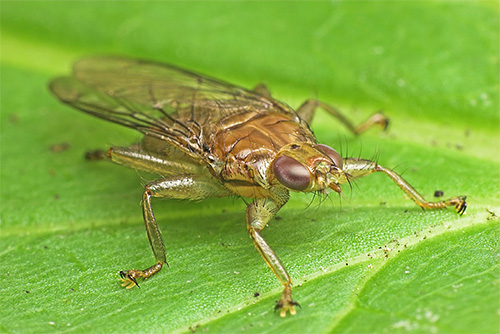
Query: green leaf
{"type": "Point", "coordinates": [370, 261]}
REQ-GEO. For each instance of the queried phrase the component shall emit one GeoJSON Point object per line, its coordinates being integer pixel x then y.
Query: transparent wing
{"type": "Point", "coordinates": [156, 99]}
{"type": "Point", "coordinates": [148, 120]}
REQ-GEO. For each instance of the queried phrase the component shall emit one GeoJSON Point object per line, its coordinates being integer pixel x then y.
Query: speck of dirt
{"type": "Point", "coordinates": [13, 118]}
{"type": "Point", "coordinates": [194, 328]}
{"type": "Point", "coordinates": [492, 215]}
{"type": "Point", "coordinates": [438, 193]}
{"type": "Point", "coordinates": [60, 147]}
{"type": "Point", "coordinates": [95, 155]}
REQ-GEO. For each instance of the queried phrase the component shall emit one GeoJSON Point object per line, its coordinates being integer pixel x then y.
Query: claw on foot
{"type": "Point", "coordinates": [459, 203]}
{"type": "Point", "coordinates": [286, 307]}
{"type": "Point", "coordinates": [461, 206]}
{"type": "Point", "coordinates": [381, 120]}
{"type": "Point", "coordinates": [376, 119]}
{"type": "Point", "coordinates": [286, 304]}
{"type": "Point", "coordinates": [128, 278]}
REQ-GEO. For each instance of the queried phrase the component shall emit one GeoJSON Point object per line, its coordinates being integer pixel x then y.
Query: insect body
{"type": "Point", "coordinates": [207, 138]}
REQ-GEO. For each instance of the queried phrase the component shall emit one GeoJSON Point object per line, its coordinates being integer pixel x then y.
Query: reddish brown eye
{"type": "Point", "coordinates": [291, 173]}
{"type": "Point", "coordinates": [334, 155]}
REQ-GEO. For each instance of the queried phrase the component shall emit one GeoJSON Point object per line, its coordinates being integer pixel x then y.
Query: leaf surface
{"type": "Point", "coordinates": [370, 261]}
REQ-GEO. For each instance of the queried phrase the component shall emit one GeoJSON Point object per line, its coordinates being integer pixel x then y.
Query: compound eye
{"type": "Point", "coordinates": [291, 173]}
{"type": "Point", "coordinates": [334, 155]}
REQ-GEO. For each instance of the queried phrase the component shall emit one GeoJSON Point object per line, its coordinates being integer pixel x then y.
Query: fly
{"type": "Point", "coordinates": [207, 138]}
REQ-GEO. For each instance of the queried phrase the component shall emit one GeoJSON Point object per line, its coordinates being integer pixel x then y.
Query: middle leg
{"type": "Point", "coordinates": [259, 213]}
{"type": "Point", "coordinates": [307, 109]}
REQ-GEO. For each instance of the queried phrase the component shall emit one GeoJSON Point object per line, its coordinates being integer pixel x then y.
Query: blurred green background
{"type": "Point", "coordinates": [370, 261]}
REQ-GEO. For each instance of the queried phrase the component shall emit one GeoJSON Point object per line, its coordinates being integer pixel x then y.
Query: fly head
{"type": "Point", "coordinates": [308, 167]}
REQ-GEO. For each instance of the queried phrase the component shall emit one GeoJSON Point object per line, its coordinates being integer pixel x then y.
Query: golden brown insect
{"type": "Point", "coordinates": [208, 138]}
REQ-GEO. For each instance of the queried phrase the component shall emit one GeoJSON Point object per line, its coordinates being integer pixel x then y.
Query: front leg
{"type": "Point", "coordinates": [178, 187]}
{"type": "Point", "coordinates": [359, 167]}
{"type": "Point", "coordinates": [259, 213]}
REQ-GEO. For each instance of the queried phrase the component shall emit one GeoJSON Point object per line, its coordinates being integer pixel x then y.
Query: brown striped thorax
{"type": "Point", "coordinates": [255, 154]}
{"type": "Point", "coordinates": [246, 144]}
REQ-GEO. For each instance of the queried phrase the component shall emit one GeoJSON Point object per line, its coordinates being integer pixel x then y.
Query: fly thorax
{"type": "Point", "coordinates": [257, 170]}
